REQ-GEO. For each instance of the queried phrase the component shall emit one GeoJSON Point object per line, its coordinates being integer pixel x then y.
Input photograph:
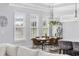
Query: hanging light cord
{"type": "Point", "coordinates": [76, 10]}
{"type": "Point", "coordinates": [51, 12]}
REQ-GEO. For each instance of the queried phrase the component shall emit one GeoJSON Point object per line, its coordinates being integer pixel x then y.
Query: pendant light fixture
{"type": "Point", "coordinates": [75, 10]}
{"type": "Point", "coordinates": [76, 14]}
{"type": "Point", "coordinates": [51, 11]}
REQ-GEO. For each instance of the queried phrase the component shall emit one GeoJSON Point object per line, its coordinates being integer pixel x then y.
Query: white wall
{"type": "Point", "coordinates": [66, 10]}
{"type": "Point", "coordinates": [7, 33]}
{"type": "Point", "coordinates": [71, 30]}
{"type": "Point", "coordinates": [67, 13]}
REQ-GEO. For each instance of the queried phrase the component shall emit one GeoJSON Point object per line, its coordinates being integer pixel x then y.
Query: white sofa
{"type": "Point", "coordinates": [14, 50]}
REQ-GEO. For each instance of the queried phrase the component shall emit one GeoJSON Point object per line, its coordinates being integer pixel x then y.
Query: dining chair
{"type": "Point", "coordinates": [76, 48]}
{"type": "Point", "coordinates": [50, 42]}
{"type": "Point", "coordinates": [43, 36]}
{"type": "Point", "coordinates": [36, 42]}
{"type": "Point", "coordinates": [56, 42]}
{"type": "Point", "coordinates": [37, 37]}
{"type": "Point", "coordinates": [65, 46]}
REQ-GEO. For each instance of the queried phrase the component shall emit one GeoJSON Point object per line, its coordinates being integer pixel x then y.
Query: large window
{"type": "Point", "coordinates": [45, 26]}
{"type": "Point", "coordinates": [34, 25]}
{"type": "Point", "coordinates": [19, 26]}
{"type": "Point", "coordinates": [39, 25]}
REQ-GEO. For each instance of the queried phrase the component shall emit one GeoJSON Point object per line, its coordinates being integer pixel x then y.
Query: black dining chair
{"type": "Point", "coordinates": [65, 46]}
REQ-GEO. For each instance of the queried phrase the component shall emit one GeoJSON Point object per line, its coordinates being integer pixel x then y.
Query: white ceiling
{"type": "Point", "coordinates": [60, 9]}
{"type": "Point", "coordinates": [52, 4]}
{"type": "Point", "coordinates": [40, 6]}
{"type": "Point", "coordinates": [64, 10]}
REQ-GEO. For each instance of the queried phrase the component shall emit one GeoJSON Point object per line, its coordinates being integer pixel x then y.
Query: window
{"type": "Point", "coordinates": [34, 25]}
{"type": "Point", "coordinates": [39, 26]}
{"type": "Point", "coordinates": [45, 26]}
{"type": "Point", "coordinates": [19, 26]}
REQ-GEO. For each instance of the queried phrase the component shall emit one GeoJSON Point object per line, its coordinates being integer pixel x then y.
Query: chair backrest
{"type": "Point", "coordinates": [35, 41]}
{"type": "Point", "coordinates": [56, 41]}
{"type": "Point", "coordinates": [51, 41]}
{"type": "Point", "coordinates": [59, 38]}
{"type": "Point", "coordinates": [37, 37]}
{"type": "Point", "coordinates": [43, 36]}
{"type": "Point", "coordinates": [75, 46]}
{"type": "Point", "coordinates": [65, 45]}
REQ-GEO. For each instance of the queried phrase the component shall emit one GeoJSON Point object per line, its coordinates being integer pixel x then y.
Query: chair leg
{"type": "Point", "coordinates": [59, 51]}
{"type": "Point", "coordinates": [33, 46]}
{"type": "Point", "coordinates": [64, 51]}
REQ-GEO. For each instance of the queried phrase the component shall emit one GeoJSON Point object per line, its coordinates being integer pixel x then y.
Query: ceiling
{"type": "Point", "coordinates": [60, 9]}
{"type": "Point", "coordinates": [40, 6]}
{"type": "Point", "coordinates": [45, 5]}
{"type": "Point", "coordinates": [52, 4]}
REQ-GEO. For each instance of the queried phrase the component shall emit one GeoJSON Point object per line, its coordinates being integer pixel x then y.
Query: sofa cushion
{"type": "Point", "coordinates": [11, 50]}
{"type": "Point", "coordinates": [3, 49]}
{"type": "Point", "coordinates": [43, 53]}
{"type": "Point", "coordinates": [23, 51]}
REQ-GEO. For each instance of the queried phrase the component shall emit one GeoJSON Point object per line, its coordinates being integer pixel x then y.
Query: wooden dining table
{"type": "Point", "coordinates": [42, 40]}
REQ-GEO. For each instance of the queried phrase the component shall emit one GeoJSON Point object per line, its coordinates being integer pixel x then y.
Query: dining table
{"type": "Point", "coordinates": [42, 40]}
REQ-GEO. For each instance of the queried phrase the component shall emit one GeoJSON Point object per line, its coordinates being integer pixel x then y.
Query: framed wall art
{"type": "Point", "coordinates": [3, 21]}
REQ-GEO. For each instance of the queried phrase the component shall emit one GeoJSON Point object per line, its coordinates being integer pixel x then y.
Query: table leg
{"type": "Point", "coordinates": [42, 46]}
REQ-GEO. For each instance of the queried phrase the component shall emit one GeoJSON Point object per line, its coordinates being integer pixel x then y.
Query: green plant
{"type": "Point", "coordinates": [54, 22]}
